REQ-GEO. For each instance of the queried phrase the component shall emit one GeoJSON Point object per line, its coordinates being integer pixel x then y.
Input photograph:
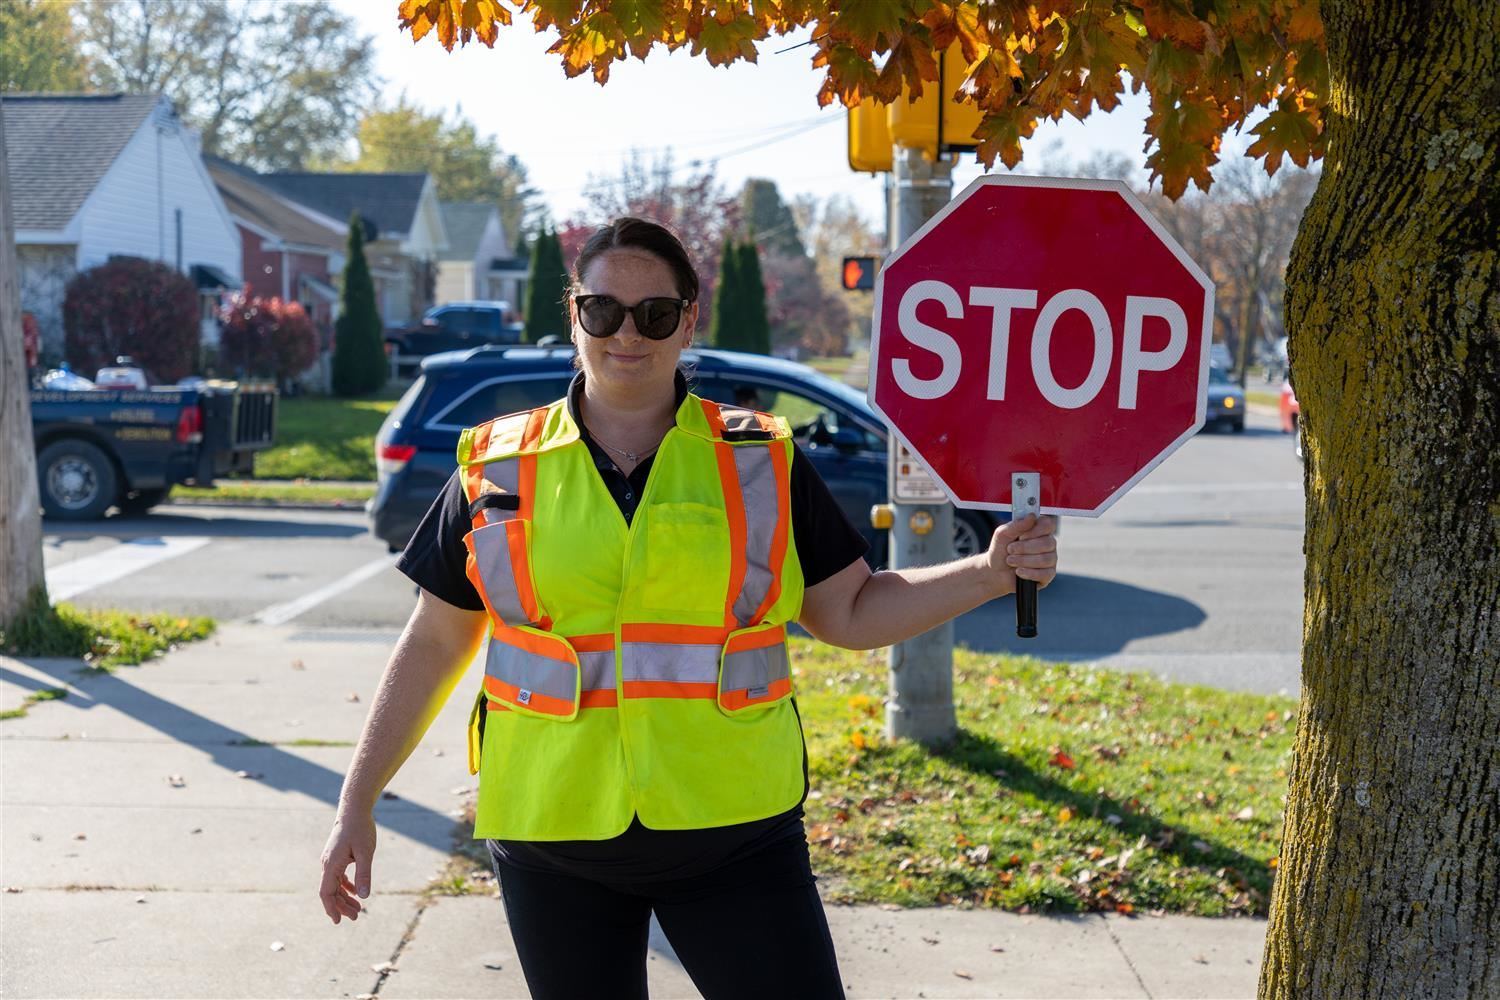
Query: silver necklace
{"type": "Point", "coordinates": [630, 456]}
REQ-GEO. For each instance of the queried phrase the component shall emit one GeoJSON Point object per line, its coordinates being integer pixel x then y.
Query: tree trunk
{"type": "Point", "coordinates": [20, 507]}
{"type": "Point", "coordinates": [1389, 877]}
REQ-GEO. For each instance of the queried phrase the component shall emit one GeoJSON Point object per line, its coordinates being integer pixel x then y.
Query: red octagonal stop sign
{"type": "Point", "coordinates": [1041, 325]}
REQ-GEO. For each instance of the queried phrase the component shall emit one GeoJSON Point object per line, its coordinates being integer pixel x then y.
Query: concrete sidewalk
{"type": "Point", "coordinates": [163, 824]}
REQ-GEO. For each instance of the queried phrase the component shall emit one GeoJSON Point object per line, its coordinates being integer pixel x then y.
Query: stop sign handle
{"type": "Point", "coordinates": [1025, 498]}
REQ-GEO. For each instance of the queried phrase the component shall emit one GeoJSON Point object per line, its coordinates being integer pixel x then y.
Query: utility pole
{"type": "Point", "coordinates": [920, 706]}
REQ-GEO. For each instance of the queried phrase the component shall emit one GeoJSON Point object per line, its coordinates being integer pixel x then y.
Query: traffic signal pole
{"type": "Point", "coordinates": [920, 704]}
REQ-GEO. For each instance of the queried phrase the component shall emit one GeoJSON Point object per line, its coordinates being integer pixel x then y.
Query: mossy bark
{"type": "Point", "coordinates": [1389, 876]}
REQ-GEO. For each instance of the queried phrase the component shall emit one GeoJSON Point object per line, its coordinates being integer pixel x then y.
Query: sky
{"type": "Point", "coordinates": [750, 120]}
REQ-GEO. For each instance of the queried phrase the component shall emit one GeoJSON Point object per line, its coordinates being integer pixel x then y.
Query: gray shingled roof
{"type": "Point", "coordinates": [247, 199]}
{"type": "Point", "coordinates": [59, 146]}
{"type": "Point", "coordinates": [464, 222]}
{"type": "Point", "coordinates": [386, 201]}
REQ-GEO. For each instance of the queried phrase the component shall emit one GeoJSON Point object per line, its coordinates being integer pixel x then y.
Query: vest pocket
{"type": "Point", "coordinates": [500, 568]}
{"type": "Point", "coordinates": [534, 673]}
{"type": "Point", "coordinates": [476, 729]}
{"type": "Point", "coordinates": [688, 556]}
{"type": "Point", "coordinates": [754, 670]}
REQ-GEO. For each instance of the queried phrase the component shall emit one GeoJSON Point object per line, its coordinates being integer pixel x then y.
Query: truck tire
{"type": "Point", "coordinates": [77, 480]}
{"type": "Point", "coordinates": [140, 501]}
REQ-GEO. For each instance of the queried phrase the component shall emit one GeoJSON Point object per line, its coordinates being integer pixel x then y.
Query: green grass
{"type": "Point", "coordinates": [102, 639]}
{"type": "Point", "coordinates": [1266, 397]}
{"type": "Point", "coordinates": [854, 370]}
{"type": "Point", "coordinates": [45, 694]}
{"type": "Point", "coordinates": [240, 491]}
{"type": "Point", "coordinates": [321, 437]}
{"type": "Point", "coordinates": [1068, 790]}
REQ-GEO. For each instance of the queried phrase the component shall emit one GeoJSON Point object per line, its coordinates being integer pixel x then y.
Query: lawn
{"type": "Point", "coordinates": [322, 437]}
{"type": "Point", "coordinates": [1069, 789]}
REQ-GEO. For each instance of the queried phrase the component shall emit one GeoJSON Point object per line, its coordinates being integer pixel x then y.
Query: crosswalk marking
{"type": "Point", "coordinates": [115, 563]}
{"type": "Point", "coordinates": [280, 614]}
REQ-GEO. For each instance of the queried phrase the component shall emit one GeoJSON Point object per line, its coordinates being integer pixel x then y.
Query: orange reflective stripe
{"type": "Point", "coordinates": [603, 642]}
{"type": "Point", "coordinates": [732, 700]}
{"type": "Point", "coordinates": [599, 699]}
{"type": "Point", "coordinates": [670, 689]}
{"type": "Point", "coordinates": [546, 704]}
{"type": "Point", "coordinates": [767, 422]}
{"type": "Point", "coordinates": [515, 538]}
{"type": "Point", "coordinates": [715, 418]}
{"type": "Point", "coordinates": [693, 635]}
{"type": "Point", "coordinates": [552, 648]}
{"type": "Point", "coordinates": [589, 699]}
{"type": "Point", "coordinates": [473, 476]}
{"type": "Point", "coordinates": [480, 442]}
{"type": "Point", "coordinates": [783, 519]}
{"type": "Point", "coordinates": [734, 509]}
{"type": "Point", "coordinates": [756, 640]}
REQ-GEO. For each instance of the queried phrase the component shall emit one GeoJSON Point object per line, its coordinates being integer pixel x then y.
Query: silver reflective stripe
{"type": "Point", "coordinates": [492, 556]}
{"type": "Point", "coordinates": [530, 671]}
{"type": "Point", "coordinates": [505, 474]}
{"type": "Point", "coordinates": [755, 668]}
{"type": "Point", "coordinates": [758, 487]}
{"type": "Point", "coordinates": [598, 670]}
{"type": "Point", "coordinates": [670, 661]}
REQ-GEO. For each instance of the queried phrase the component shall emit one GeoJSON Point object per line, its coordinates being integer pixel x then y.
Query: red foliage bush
{"type": "Point", "coordinates": [266, 336]}
{"type": "Point", "coordinates": [131, 306]}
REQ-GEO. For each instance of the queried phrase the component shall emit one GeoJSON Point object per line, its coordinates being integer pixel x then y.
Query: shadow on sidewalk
{"type": "Point", "coordinates": [230, 748]}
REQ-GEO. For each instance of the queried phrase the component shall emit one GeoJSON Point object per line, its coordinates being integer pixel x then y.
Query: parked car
{"type": "Point", "coordinates": [98, 448]}
{"type": "Point", "coordinates": [1291, 414]}
{"type": "Point", "coordinates": [833, 424]}
{"type": "Point", "coordinates": [457, 326]}
{"type": "Point", "coordinates": [1226, 401]}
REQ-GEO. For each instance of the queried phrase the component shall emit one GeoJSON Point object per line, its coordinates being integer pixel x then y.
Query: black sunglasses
{"type": "Point", "coordinates": [603, 315]}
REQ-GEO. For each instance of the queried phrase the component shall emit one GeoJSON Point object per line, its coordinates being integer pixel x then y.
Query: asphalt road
{"type": "Point", "coordinates": [1196, 574]}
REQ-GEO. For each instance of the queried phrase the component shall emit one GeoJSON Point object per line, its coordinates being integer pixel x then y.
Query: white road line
{"type": "Point", "coordinates": [280, 614]}
{"type": "Point", "coordinates": [1287, 485]}
{"type": "Point", "coordinates": [115, 563]}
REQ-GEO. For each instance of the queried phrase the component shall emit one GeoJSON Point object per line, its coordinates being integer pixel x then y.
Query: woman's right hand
{"type": "Point", "coordinates": [351, 842]}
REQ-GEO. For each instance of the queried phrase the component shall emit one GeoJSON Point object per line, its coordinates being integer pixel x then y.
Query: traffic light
{"type": "Point", "coordinates": [859, 274]}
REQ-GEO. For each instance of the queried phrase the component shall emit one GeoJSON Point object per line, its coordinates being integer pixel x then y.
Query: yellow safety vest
{"type": "Point", "coordinates": [638, 670]}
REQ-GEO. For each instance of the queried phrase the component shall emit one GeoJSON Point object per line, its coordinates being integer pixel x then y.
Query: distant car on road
{"type": "Point", "coordinates": [833, 424]}
{"type": "Point", "coordinates": [457, 326]}
{"type": "Point", "coordinates": [1226, 401]}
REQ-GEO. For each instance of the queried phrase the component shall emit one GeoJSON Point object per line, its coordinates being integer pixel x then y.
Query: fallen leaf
{"type": "Point", "coordinates": [298, 665]}
{"type": "Point", "coordinates": [858, 739]}
{"type": "Point", "coordinates": [12, 888]}
{"type": "Point", "coordinates": [277, 946]}
{"type": "Point", "coordinates": [963, 974]}
{"type": "Point", "coordinates": [384, 968]}
{"type": "Point", "coordinates": [1124, 908]}
{"type": "Point", "coordinates": [1061, 759]}
{"type": "Point", "coordinates": [493, 965]}
{"type": "Point", "coordinates": [140, 899]}
{"type": "Point", "coordinates": [351, 696]}
{"type": "Point", "coordinates": [1244, 814]}
{"type": "Point", "coordinates": [1065, 815]}
{"type": "Point", "coordinates": [1095, 853]}
{"type": "Point", "coordinates": [1200, 959]}
{"type": "Point", "coordinates": [979, 855]}
{"type": "Point", "coordinates": [929, 940]}
{"type": "Point", "coordinates": [1113, 819]}
{"type": "Point", "coordinates": [888, 907]}
{"type": "Point", "coordinates": [80, 836]}
{"type": "Point", "coordinates": [176, 780]}
{"type": "Point", "coordinates": [996, 947]}
{"type": "Point", "coordinates": [1084, 877]}
{"type": "Point", "coordinates": [1274, 862]}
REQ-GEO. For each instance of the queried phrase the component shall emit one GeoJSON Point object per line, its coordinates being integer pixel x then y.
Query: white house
{"type": "Point", "coordinates": [478, 262]}
{"type": "Point", "coordinates": [93, 176]}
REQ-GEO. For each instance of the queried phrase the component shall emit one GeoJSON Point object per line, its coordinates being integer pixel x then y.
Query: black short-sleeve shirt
{"type": "Point", "coordinates": [826, 543]}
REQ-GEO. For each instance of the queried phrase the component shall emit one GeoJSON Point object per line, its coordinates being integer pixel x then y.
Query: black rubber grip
{"type": "Point", "coordinates": [1026, 609]}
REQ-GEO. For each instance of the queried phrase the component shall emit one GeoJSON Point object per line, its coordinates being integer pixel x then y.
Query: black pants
{"type": "Point", "coordinates": [754, 928]}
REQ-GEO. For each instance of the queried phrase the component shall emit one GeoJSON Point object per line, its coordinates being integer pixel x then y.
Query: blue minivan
{"type": "Point", "coordinates": [834, 425]}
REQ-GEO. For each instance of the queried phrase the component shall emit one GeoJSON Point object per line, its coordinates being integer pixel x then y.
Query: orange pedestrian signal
{"type": "Point", "coordinates": [859, 274]}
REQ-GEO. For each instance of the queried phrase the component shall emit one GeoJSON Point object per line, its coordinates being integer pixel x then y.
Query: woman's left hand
{"type": "Point", "coordinates": [1026, 550]}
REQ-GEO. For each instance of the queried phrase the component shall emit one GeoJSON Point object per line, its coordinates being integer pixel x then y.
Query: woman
{"type": "Point", "coordinates": [636, 554]}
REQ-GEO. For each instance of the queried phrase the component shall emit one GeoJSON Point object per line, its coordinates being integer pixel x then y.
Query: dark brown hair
{"type": "Point", "coordinates": [639, 234]}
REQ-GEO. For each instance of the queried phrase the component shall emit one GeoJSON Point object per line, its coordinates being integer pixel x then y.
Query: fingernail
{"type": "Point", "coordinates": [364, 892]}
{"type": "Point", "coordinates": [1012, 549]}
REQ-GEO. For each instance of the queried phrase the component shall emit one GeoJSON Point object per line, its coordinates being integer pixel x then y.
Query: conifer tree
{"type": "Point", "coordinates": [359, 361]}
{"type": "Point", "coordinates": [546, 315]}
{"type": "Point", "coordinates": [755, 317]}
{"type": "Point", "coordinates": [725, 325]}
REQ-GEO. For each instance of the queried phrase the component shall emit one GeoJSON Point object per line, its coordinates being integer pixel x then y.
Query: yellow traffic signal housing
{"type": "Point", "coordinates": [869, 136]}
{"type": "Point", "coordinates": [935, 123]}
{"type": "Point", "coordinates": [859, 274]}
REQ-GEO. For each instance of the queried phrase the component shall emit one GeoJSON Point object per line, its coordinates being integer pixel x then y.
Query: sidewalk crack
{"type": "Point", "coordinates": [1146, 992]}
{"type": "Point", "coordinates": [406, 936]}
